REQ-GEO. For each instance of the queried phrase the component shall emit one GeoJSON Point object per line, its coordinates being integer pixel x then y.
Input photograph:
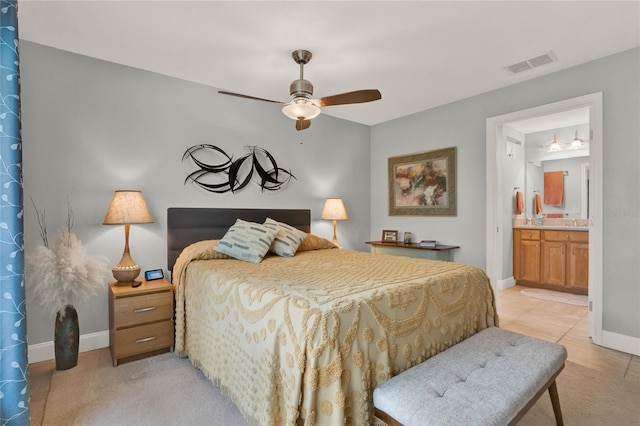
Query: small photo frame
{"type": "Point", "coordinates": [390, 236]}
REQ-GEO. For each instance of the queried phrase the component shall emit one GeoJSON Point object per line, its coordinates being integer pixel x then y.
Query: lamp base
{"type": "Point", "coordinates": [335, 235]}
{"type": "Point", "coordinates": [126, 271]}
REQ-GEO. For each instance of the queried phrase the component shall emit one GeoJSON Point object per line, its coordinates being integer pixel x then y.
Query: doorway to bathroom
{"type": "Point", "coordinates": [505, 141]}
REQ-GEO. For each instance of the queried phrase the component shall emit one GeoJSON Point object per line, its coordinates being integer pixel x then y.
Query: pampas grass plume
{"type": "Point", "coordinates": [65, 274]}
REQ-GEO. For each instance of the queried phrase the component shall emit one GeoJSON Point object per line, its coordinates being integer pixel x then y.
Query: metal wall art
{"type": "Point", "coordinates": [231, 175]}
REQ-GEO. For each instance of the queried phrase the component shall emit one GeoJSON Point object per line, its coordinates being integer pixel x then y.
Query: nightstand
{"type": "Point", "coordinates": [140, 320]}
{"type": "Point", "coordinates": [439, 252]}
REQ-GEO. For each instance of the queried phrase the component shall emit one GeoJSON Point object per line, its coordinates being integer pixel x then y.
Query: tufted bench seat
{"type": "Point", "coordinates": [491, 378]}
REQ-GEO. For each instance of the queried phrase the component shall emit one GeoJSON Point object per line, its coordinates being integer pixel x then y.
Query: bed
{"type": "Point", "coordinates": [306, 339]}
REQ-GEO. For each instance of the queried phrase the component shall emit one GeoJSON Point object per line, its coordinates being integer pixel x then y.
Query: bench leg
{"type": "Point", "coordinates": [555, 402]}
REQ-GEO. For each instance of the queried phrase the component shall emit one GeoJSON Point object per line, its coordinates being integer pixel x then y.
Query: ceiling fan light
{"type": "Point", "coordinates": [301, 109]}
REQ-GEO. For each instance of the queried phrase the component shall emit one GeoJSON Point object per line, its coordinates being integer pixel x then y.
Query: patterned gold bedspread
{"type": "Point", "coordinates": [305, 340]}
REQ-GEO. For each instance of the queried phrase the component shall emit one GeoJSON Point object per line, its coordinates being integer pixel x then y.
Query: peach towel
{"type": "Point", "coordinates": [554, 215]}
{"type": "Point", "coordinates": [519, 203]}
{"type": "Point", "coordinates": [537, 204]}
{"type": "Point", "coordinates": [553, 188]}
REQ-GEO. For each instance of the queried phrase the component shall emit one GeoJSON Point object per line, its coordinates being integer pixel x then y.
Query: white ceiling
{"type": "Point", "coordinates": [419, 54]}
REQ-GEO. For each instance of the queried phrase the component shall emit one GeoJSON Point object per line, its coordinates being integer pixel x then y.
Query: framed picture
{"type": "Point", "coordinates": [390, 236]}
{"type": "Point", "coordinates": [423, 184]}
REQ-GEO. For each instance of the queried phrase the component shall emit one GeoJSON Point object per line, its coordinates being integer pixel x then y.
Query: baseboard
{"type": "Point", "coordinates": [88, 342]}
{"type": "Point", "coordinates": [620, 342]}
{"type": "Point", "coordinates": [505, 284]}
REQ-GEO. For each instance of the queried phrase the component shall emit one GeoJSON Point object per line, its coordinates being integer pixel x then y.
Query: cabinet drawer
{"type": "Point", "coordinates": [573, 236]}
{"type": "Point", "coordinates": [142, 309]}
{"type": "Point", "coordinates": [142, 339]}
{"type": "Point", "coordinates": [529, 234]}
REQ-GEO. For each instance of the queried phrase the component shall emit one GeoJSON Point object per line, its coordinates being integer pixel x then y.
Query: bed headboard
{"type": "Point", "coordinates": [187, 225]}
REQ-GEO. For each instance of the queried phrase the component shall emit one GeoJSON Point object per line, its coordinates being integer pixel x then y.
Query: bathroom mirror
{"type": "Point", "coordinates": [572, 161]}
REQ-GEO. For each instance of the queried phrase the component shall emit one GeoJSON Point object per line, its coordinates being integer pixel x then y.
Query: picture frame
{"type": "Point", "coordinates": [389, 236]}
{"type": "Point", "coordinates": [423, 184]}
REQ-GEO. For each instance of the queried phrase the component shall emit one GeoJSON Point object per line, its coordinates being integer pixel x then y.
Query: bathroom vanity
{"type": "Point", "coordinates": [552, 256]}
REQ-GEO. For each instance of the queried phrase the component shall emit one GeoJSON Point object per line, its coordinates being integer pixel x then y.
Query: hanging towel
{"type": "Point", "coordinates": [537, 204]}
{"type": "Point", "coordinates": [553, 188]}
{"type": "Point", "coordinates": [553, 215]}
{"type": "Point", "coordinates": [519, 203]}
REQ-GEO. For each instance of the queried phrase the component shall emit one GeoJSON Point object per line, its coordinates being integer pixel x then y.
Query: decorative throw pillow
{"type": "Point", "coordinates": [313, 242]}
{"type": "Point", "coordinates": [287, 239]}
{"type": "Point", "coordinates": [246, 241]}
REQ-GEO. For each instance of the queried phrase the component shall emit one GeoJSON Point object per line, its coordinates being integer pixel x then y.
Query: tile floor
{"type": "Point", "coordinates": [553, 321]}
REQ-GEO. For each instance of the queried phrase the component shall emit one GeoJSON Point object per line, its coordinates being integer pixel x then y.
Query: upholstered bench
{"type": "Point", "coordinates": [491, 378]}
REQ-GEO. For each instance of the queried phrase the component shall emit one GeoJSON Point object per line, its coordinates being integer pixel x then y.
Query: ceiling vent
{"type": "Point", "coordinates": [530, 63]}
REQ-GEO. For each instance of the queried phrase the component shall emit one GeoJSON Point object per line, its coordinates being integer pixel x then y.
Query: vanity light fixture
{"type": "Point", "coordinates": [555, 145]}
{"type": "Point", "coordinates": [577, 142]}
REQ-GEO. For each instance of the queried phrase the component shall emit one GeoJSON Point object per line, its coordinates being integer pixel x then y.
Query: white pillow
{"type": "Point", "coordinates": [287, 240]}
{"type": "Point", "coordinates": [246, 241]}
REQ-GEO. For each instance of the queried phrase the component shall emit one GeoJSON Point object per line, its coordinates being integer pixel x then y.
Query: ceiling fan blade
{"type": "Point", "coordinates": [302, 124]}
{"type": "Point", "coordinates": [357, 97]}
{"type": "Point", "coordinates": [222, 92]}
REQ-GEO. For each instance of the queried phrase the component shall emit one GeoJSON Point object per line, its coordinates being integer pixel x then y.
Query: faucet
{"type": "Point", "coordinates": [575, 223]}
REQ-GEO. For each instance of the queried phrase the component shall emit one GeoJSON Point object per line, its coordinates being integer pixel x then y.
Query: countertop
{"type": "Point", "coordinates": [553, 224]}
{"type": "Point", "coordinates": [553, 227]}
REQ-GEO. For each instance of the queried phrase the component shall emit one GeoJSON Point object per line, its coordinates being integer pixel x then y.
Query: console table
{"type": "Point", "coordinates": [439, 252]}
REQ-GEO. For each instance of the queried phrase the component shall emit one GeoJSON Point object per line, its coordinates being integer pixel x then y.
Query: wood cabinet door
{"type": "Point", "coordinates": [554, 263]}
{"type": "Point", "coordinates": [529, 261]}
{"type": "Point", "coordinates": [578, 266]}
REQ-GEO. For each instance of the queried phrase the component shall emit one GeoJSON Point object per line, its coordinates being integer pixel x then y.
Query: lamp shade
{"type": "Point", "coordinates": [127, 207]}
{"type": "Point", "coordinates": [577, 142]}
{"type": "Point", "coordinates": [334, 210]}
{"type": "Point", "coordinates": [555, 145]}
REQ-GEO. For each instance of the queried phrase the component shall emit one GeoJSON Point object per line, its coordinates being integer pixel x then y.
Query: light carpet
{"type": "Point", "coordinates": [162, 390]}
{"type": "Point", "coordinates": [167, 390]}
{"type": "Point", "coordinates": [556, 296]}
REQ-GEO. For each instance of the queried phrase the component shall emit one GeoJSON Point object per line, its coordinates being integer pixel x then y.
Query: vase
{"type": "Point", "coordinates": [66, 338]}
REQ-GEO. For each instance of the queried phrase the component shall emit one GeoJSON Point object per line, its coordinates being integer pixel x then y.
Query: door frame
{"type": "Point", "coordinates": [496, 204]}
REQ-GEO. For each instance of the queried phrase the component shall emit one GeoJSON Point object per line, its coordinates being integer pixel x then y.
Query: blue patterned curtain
{"type": "Point", "coordinates": [14, 385]}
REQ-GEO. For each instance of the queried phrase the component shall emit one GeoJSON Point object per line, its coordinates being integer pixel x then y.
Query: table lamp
{"type": "Point", "coordinates": [334, 210]}
{"type": "Point", "coordinates": [127, 207]}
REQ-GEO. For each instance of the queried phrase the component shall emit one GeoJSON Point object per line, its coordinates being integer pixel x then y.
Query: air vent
{"type": "Point", "coordinates": [527, 64]}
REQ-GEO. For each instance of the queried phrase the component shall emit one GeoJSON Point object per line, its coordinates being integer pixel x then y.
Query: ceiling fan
{"type": "Point", "coordinates": [301, 107]}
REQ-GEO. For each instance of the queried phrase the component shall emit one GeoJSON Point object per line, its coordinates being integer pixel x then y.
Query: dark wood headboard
{"type": "Point", "coordinates": [187, 225]}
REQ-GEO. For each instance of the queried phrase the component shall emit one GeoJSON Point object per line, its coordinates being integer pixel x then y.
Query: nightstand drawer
{"type": "Point", "coordinates": [136, 310]}
{"type": "Point", "coordinates": [145, 338]}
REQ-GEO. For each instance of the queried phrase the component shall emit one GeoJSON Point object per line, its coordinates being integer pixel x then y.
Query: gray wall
{"type": "Point", "coordinates": [90, 127]}
{"type": "Point", "coordinates": [462, 124]}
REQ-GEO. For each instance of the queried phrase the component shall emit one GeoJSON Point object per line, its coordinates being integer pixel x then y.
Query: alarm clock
{"type": "Point", "coordinates": [153, 274]}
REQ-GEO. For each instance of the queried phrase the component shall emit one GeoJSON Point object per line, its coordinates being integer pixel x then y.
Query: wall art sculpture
{"type": "Point", "coordinates": [219, 173]}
